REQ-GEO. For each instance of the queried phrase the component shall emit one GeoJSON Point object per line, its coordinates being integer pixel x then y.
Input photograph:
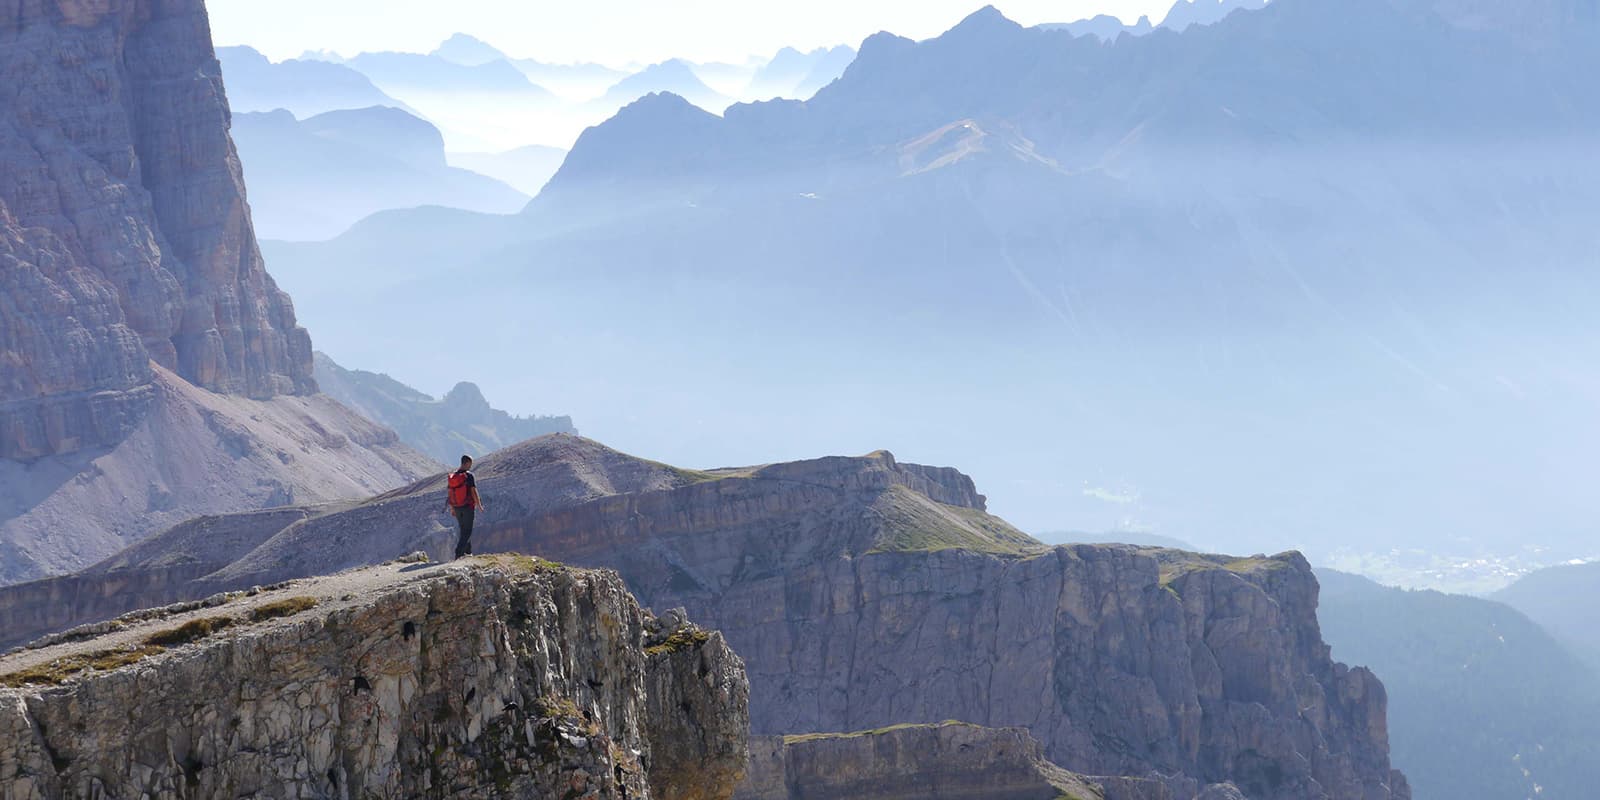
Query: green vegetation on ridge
{"type": "Point", "coordinates": [913, 523]}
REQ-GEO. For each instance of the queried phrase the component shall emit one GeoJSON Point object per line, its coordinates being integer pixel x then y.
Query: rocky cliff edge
{"type": "Point", "coordinates": [490, 678]}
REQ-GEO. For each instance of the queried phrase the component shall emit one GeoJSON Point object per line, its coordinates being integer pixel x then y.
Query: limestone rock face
{"type": "Point", "coordinates": [514, 678]}
{"type": "Point", "coordinates": [950, 761]}
{"type": "Point", "coordinates": [699, 715]}
{"type": "Point", "coordinates": [124, 233]}
{"type": "Point", "coordinates": [865, 592]}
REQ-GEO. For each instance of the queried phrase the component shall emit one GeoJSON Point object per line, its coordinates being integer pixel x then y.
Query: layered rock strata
{"type": "Point", "coordinates": [950, 761]}
{"type": "Point", "coordinates": [124, 233]}
{"type": "Point", "coordinates": [150, 369]}
{"type": "Point", "coordinates": [497, 678]}
{"type": "Point", "coordinates": [865, 593]}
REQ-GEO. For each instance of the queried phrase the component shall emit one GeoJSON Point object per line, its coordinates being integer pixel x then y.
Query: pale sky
{"type": "Point", "coordinates": [617, 32]}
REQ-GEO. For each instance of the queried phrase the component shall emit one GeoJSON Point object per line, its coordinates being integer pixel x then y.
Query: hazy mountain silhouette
{"type": "Point", "coordinates": [526, 169]}
{"type": "Point", "coordinates": [480, 107]}
{"type": "Point", "coordinates": [312, 179]}
{"type": "Point", "coordinates": [1185, 13]}
{"type": "Point", "coordinates": [796, 75]}
{"type": "Point", "coordinates": [674, 76]}
{"type": "Point", "coordinates": [304, 87]}
{"type": "Point", "coordinates": [402, 73]}
{"type": "Point", "coordinates": [1104, 26]}
{"type": "Point", "coordinates": [1561, 599]}
{"type": "Point", "coordinates": [460, 423]}
{"type": "Point", "coordinates": [468, 51]}
{"type": "Point", "coordinates": [1316, 275]}
{"type": "Point", "coordinates": [1482, 702]}
{"type": "Point", "coordinates": [581, 80]}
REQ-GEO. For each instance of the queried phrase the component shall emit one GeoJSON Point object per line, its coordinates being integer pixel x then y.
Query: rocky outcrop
{"type": "Point", "coordinates": [698, 711]}
{"type": "Point", "coordinates": [461, 423]}
{"type": "Point", "coordinates": [212, 554]}
{"type": "Point", "coordinates": [951, 761]}
{"type": "Point", "coordinates": [124, 234]}
{"type": "Point", "coordinates": [150, 369]}
{"type": "Point", "coordinates": [498, 678]}
{"type": "Point", "coordinates": [864, 593]}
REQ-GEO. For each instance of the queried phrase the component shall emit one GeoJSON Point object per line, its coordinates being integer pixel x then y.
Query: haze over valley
{"type": "Point", "coordinates": [1146, 286]}
{"type": "Point", "coordinates": [1107, 400]}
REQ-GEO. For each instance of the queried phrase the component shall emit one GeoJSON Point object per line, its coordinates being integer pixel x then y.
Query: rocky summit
{"type": "Point", "coordinates": [865, 593]}
{"type": "Point", "coordinates": [507, 677]}
{"type": "Point", "coordinates": [150, 369]}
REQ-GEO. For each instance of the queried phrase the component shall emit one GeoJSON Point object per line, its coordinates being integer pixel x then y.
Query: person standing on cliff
{"type": "Point", "coordinates": [463, 503]}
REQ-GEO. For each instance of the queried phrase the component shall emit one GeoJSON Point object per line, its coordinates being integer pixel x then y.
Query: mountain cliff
{"type": "Point", "coordinates": [509, 677]}
{"type": "Point", "coordinates": [862, 593]}
{"type": "Point", "coordinates": [126, 234]}
{"type": "Point", "coordinates": [150, 369]}
{"type": "Point", "coordinates": [950, 761]}
{"type": "Point", "coordinates": [460, 423]}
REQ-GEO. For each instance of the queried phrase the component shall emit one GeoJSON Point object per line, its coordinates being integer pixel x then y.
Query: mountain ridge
{"type": "Point", "coordinates": [1211, 262]}
{"type": "Point", "coordinates": [761, 549]}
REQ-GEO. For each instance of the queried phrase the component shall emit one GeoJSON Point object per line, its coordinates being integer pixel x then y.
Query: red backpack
{"type": "Point", "coordinates": [459, 496]}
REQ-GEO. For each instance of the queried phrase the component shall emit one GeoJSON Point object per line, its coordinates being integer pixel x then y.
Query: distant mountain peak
{"type": "Point", "coordinates": [989, 13]}
{"type": "Point", "coordinates": [468, 51]}
{"type": "Point", "coordinates": [883, 44]}
{"type": "Point", "coordinates": [1187, 13]}
{"type": "Point", "coordinates": [657, 103]}
{"type": "Point", "coordinates": [466, 395]}
{"type": "Point", "coordinates": [244, 51]}
{"type": "Point", "coordinates": [984, 19]}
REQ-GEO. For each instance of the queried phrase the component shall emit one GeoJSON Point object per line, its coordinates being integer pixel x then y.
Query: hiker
{"type": "Point", "coordinates": [464, 503]}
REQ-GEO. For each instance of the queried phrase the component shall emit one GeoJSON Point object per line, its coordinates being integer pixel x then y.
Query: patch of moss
{"type": "Point", "coordinates": [523, 563]}
{"type": "Point", "coordinates": [682, 640]}
{"type": "Point", "coordinates": [1175, 564]}
{"type": "Point", "coordinates": [190, 631]}
{"type": "Point", "coordinates": [817, 737]}
{"type": "Point", "coordinates": [913, 523]}
{"type": "Point", "coordinates": [57, 672]}
{"type": "Point", "coordinates": [552, 705]}
{"type": "Point", "coordinates": [690, 477]}
{"type": "Point", "coordinates": [282, 608]}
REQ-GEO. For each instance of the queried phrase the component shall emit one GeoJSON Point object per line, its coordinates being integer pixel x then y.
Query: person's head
{"type": "Point", "coordinates": [466, 462]}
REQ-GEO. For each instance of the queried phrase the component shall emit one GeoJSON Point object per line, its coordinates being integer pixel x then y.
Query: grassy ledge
{"type": "Point", "coordinates": [682, 640]}
{"type": "Point", "coordinates": [59, 671]}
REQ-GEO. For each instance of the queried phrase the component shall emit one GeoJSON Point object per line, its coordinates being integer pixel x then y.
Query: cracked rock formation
{"type": "Point", "coordinates": [949, 761]}
{"type": "Point", "coordinates": [864, 593]}
{"type": "Point", "coordinates": [124, 234]}
{"type": "Point", "coordinates": [137, 320]}
{"type": "Point", "coordinates": [504, 677]}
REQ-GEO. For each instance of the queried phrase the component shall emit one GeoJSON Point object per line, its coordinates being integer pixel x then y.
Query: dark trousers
{"type": "Point", "coordinates": [464, 519]}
